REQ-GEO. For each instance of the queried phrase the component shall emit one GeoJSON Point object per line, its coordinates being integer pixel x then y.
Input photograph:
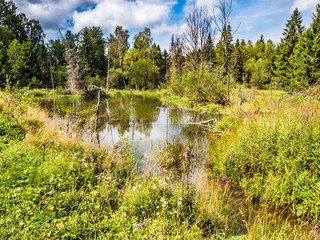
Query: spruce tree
{"type": "Point", "coordinates": [28, 63]}
{"type": "Point", "coordinates": [306, 58]}
{"type": "Point", "coordinates": [237, 63]}
{"type": "Point", "coordinates": [291, 34]}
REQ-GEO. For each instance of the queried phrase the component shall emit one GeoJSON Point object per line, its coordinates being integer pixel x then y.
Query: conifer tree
{"type": "Point", "coordinates": [237, 63]}
{"type": "Point", "coordinates": [92, 52]}
{"type": "Point", "coordinates": [28, 63]}
{"type": "Point", "coordinates": [306, 58]}
{"type": "Point", "coordinates": [291, 34]}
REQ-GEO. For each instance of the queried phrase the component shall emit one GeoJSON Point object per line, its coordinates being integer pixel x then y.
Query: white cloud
{"type": "Point", "coordinates": [51, 12]}
{"type": "Point", "coordinates": [129, 14]}
{"type": "Point", "coordinates": [165, 29]}
{"type": "Point", "coordinates": [304, 5]}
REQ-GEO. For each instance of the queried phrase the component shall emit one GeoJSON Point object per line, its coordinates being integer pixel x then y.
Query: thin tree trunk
{"type": "Point", "coordinates": [270, 87]}
{"type": "Point", "coordinates": [51, 76]}
{"type": "Point", "coordinates": [107, 83]}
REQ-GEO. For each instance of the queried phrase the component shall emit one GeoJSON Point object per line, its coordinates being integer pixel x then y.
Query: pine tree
{"type": "Point", "coordinates": [209, 50]}
{"type": "Point", "coordinates": [291, 33]}
{"type": "Point", "coordinates": [237, 63]}
{"type": "Point", "coordinates": [92, 52]}
{"type": "Point", "coordinates": [28, 64]}
{"type": "Point", "coordinates": [306, 58]}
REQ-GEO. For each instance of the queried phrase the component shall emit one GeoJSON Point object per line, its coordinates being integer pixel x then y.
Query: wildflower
{"type": "Point", "coordinates": [134, 189]}
{"type": "Point", "coordinates": [223, 177]}
{"type": "Point", "coordinates": [180, 203]}
{"type": "Point", "coordinates": [141, 206]}
{"type": "Point", "coordinates": [178, 176]}
{"type": "Point", "coordinates": [180, 198]}
{"type": "Point", "coordinates": [157, 207]}
{"type": "Point", "coordinates": [139, 225]}
{"type": "Point", "coordinates": [154, 186]}
{"type": "Point", "coordinates": [226, 226]}
{"type": "Point", "coordinates": [142, 170]}
{"type": "Point", "coordinates": [60, 225]}
{"type": "Point", "coordinates": [175, 211]}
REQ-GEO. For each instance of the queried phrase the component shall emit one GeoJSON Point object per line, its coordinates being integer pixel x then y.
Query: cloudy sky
{"type": "Point", "coordinates": [164, 17]}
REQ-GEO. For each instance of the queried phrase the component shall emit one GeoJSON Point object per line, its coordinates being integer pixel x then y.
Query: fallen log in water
{"type": "Point", "coordinates": [204, 122]}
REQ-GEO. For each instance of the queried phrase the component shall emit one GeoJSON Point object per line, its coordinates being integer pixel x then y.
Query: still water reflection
{"type": "Point", "coordinates": [143, 119]}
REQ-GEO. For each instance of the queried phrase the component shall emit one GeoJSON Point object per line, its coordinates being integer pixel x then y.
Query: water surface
{"type": "Point", "coordinates": [143, 120]}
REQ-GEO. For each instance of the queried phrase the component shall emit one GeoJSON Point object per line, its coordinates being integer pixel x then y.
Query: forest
{"type": "Point", "coordinates": [79, 60]}
{"type": "Point", "coordinates": [214, 138]}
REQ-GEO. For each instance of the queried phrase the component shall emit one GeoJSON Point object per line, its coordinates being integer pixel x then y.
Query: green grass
{"type": "Point", "coordinates": [274, 158]}
{"type": "Point", "coordinates": [53, 187]}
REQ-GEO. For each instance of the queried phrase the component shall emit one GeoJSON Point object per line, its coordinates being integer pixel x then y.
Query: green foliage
{"type": "Point", "coordinates": [143, 74]}
{"type": "Point", "coordinates": [285, 51]}
{"type": "Point", "coordinates": [230, 123]}
{"type": "Point", "coordinates": [117, 46]}
{"type": "Point", "coordinates": [92, 51]}
{"type": "Point", "coordinates": [202, 85]}
{"type": "Point", "coordinates": [18, 24]}
{"type": "Point", "coordinates": [4, 65]}
{"type": "Point", "coordinates": [117, 78]}
{"type": "Point", "coordinates": [277, 161]}
{"type": "Point", "coordinates": [11, 130]}
{"type": "Point", "coordinates": [27, 65]}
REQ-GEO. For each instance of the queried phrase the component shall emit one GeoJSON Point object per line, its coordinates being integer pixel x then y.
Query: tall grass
{"type": "Point", "coordinates": [274, 157]}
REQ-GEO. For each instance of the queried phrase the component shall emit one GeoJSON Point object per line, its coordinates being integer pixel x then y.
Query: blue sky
{"type": "Point", "coordinates": [166, 17]}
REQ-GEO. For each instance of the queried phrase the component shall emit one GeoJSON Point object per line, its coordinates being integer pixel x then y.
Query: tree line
{"type": "Point", "coordinates": [202, 63]}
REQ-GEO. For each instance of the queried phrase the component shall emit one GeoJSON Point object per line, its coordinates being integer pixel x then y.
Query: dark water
{"type": "Point", "coordinates": [143, 119]}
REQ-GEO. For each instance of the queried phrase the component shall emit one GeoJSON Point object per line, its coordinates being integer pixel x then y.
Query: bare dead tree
{"type": "Point", "coordinates": [199, 26]}
{"type": "Point", "coordinates": [222, 22]}
{"type": "Point", "coordinates": [75, 77]}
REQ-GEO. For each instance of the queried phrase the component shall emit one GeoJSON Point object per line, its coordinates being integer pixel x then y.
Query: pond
{"type": "Point", "coordinates": [144, 120]}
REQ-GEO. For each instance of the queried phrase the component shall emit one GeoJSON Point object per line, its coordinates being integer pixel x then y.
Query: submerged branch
{"type": "Point", "coordinates": [203, 122]}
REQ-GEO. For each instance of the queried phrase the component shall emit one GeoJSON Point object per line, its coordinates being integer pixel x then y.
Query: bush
{"type": "Point", "coordinates": [200, 85]}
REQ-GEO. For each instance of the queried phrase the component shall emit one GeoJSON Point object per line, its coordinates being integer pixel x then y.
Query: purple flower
{"type": "Point", "coordinates": [223, 178]}
{"type": "Point", "coordinates": [139, 225]}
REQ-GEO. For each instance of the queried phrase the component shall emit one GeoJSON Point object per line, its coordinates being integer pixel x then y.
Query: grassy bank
{"type": "Point", "coordinates": [55, 187]}
{"type": "Point", "coordinates": [274, 156]}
